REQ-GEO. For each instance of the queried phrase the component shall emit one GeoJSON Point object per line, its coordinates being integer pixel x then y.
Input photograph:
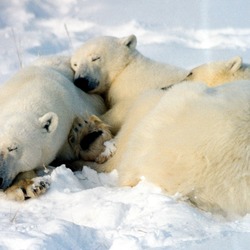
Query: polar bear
{"type": "Point", "coordinates": [214, 73]}
{"type": "Point", "coordinates": [219, 72]}
{"type": "Point", "coordinates": [38, 106]}
{"type": "Point", "coordinates": [195, 141]}
{"type": "Point", "coordinates": [113, 66]}
{"type": "Point", "coordinates": [191, 139]}
{"type": "Point", "coordinates": [230, 70]}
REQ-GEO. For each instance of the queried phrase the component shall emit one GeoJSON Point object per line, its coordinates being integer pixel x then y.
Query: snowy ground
{"type": "Point", "coordinates": [87, 210]}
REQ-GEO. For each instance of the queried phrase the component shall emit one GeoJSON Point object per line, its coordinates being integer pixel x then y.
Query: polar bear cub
{"type": "Point", "coordinates": [219, 72]}
{"type": "Point", "coordinates": [113, 66]}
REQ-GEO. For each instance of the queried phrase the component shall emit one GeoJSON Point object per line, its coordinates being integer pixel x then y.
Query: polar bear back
{"type": "Point", "coordinates": [195, 142]}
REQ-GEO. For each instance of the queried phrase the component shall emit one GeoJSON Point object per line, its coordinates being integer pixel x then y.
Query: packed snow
{"type": "Point", "coordinates": [86, 210]}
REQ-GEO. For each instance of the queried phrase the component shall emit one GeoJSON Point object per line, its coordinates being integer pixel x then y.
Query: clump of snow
{"type": "Point", "coordinates": [110, 149]}
{"type": "Point", "coordinates": [87, 210]}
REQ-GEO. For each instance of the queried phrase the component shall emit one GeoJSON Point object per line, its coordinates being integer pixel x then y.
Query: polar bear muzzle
{"type": "Point", "coordinates": [86, 83]}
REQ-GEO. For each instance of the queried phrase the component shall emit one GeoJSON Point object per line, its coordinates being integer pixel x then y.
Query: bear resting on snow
{"type": "Point", "coordinates": [195, 141]}
{"type": "Point", "coordinates": [191, 139]}
{"type": "Point", "coordinates": [38, 107]}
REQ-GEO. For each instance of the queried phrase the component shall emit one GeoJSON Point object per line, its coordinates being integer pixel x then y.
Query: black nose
{"type": "Point", "coordinates": [1, 182]}
{"type": "Point", "coordinates": [86, 84]}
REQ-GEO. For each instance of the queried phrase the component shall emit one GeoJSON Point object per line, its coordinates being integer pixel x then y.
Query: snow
{"type": "Point", "coordinates": [86, 210]}
{"type": "Point", "coordinates": [110, 148]}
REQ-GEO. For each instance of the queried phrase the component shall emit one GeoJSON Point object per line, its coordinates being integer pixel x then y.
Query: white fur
{"type": "Point", "coordinates": [191, 139]}
{"type": "Point", "coordinates": [38, 106]}
{"type": "Point", "coordinates": [120, 71]}
{"type": "Point", "coordinates": [194, 141]}
{"type": "Point", "coordinates": [220, 72]}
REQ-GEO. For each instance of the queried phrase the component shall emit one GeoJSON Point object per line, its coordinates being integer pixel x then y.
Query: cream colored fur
{"type": "Point", "coordinates": [38, 106]}
{"type": "Point", "coordinates": [195, 142]}
{"type": "Point", "coordinates": [220, 72]}
{"type": "Point", "coordinates": [121, 72]}
{"type": "Point", "coordinates": [211, 74]}
{"type": "Point", "coordinates": [190, 139]}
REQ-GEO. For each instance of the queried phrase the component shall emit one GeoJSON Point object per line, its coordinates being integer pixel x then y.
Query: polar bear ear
{"type": "Point", "coordinates": [234, 64]}
{"type": "Point", "coordinates": [49, 122]}
{"type": "Point", "coordinates": [129, 41]}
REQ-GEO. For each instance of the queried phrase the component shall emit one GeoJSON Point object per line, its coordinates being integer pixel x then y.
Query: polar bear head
{"type": "Point", "coordinates": [219, 72]}
{"type": "Point", "coordinates": [100, 60]}
{"type": "Point", "coordinates": [24, 141]}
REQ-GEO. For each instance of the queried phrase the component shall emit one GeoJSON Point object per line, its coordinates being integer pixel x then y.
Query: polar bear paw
{"type": "Point", "coordinates": [28, 188]}
{"type": "Point", "coordinates": [90, 139]}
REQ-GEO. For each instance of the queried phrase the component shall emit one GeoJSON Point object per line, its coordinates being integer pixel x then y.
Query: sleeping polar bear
{"type": "Point", "coordinates": [114, 67]}
{"type": "Point", "coordinates": [38, 106]}
{"type": "Point", "coordinates": [190, 139]}
{"type": "Point", "coordinates": [194, 141]}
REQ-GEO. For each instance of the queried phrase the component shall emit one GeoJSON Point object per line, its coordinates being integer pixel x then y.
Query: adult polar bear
{"type": "Point", "coordinates": [194, 141]}
{"type": "Point", "coordinates": [113, 66]}
{"type": "Point", "coordinates": [38, 106]}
